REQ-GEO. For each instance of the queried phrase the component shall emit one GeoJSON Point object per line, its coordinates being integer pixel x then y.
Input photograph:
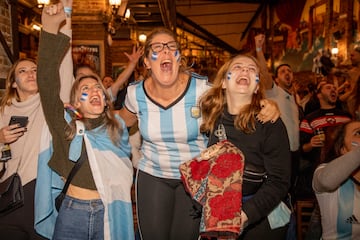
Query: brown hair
{"type": "Point", "coordinates": [113, 127]}
{"type": "Point", "coordinates": [334, 142]}
{"type": "Point", "coordinates": [214, 101]}
{"type": "Point", "coordinates": [11, 92]}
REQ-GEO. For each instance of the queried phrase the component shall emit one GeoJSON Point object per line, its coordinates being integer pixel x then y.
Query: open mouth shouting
{"type": "Point", "coordinates": [166, 65]}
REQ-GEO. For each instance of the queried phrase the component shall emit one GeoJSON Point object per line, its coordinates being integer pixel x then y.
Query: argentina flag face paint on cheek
{"type": "Point", "coordinates": [84, 97]}
{"type": "Point", "coordinates": [154, 56]}
{"type": "Point", "coordinates": [177, 55]}
{"type": "Point", "coordinates": [228, 76]}
{"type": "Point", "coordinates": [257, 79]}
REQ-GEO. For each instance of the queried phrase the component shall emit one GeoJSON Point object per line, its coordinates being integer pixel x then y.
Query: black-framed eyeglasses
{"type": "Point", "coordinates": [158, 46]}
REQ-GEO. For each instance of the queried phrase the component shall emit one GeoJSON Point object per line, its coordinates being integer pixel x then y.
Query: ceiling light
{"type": "Point", "coordinates": [334, 51]}
{"type": "Point", "coordinates": [41, 3]}
{"type": "Point", "coordinates": [115, 4]}
{"type": "Point", "coordinates": [142, 38]}
{"type": "Point", "coordinates": [127, 13]}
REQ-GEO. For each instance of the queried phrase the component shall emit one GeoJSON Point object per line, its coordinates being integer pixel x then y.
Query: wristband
{"type": "Point", "coordinates": [68, 11]}
{"type": "Point", "coordinates": [258, 49]}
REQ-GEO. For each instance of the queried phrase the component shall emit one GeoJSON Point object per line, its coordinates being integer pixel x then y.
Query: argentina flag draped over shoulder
{"type": "Point", "coordinates": [113, 175]}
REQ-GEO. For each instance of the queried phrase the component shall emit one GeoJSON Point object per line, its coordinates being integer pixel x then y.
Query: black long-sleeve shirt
{"type": "Point", "coordinates": [269, 147]}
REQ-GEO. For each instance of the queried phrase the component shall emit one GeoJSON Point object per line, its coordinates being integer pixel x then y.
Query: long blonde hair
{"type": "Point", "coordinates": [213, 103]}
{"type": "Point", "coordinates": [10, 92]}
{"type": "Point", "coordinates": [112, 125]}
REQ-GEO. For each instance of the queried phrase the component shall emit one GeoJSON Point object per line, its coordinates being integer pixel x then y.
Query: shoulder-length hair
{"type": "Point", "coordinates": [11, 92]}
{"type": "Point", "coordinates": [213, 103]}
{"type": "Point", "coordinates": [112, 125]}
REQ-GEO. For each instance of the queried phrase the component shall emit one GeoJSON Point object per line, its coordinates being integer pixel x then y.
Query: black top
{"type": "Point", "coordinates": [269, 147]}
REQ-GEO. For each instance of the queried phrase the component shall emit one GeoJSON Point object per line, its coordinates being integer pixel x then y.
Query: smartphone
{"type": "Point", "coordinates": [22, 120]}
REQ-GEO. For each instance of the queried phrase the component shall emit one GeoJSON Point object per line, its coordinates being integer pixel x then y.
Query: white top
{"type": "Point", "coordinates": [289, 113]}
{"type": "Point", "coordinates": [340, 224]}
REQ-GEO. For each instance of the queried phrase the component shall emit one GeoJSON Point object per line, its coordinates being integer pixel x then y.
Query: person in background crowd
{"type": "Point", "coordinates": [354, 72]}
{"type": "Point", "coordinates": [107, 81]}
{"type": "Point", "coordinates": [21, 98]}
{"type": "Point", "coordinates": [232, 104]}
{"type": "Point", "coordinates": [98, 196]}
{"type": "Point", "coordinates": [336, 183]}
{"type": "Point", "coordinates": [166, 105]}
{"type": "Point", "coordinates": [282, 92]}
{"type": "Point", "coordinates": [351, 100]}
{"type": "Point", "coordinates": [312, 130]}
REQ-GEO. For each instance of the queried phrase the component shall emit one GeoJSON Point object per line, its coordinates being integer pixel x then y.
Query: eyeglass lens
{"type": "Point", "coordinates": [158, 47]}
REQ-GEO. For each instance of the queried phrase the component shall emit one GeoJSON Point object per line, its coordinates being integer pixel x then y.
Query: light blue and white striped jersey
{"type": "Point", "coordinates": [171, 135]}
{"type": "Point", "coordinates": [340, 211]}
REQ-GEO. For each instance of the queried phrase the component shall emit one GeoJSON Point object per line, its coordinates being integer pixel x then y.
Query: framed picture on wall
{"type": "Point", "coordinates": [89, 52]}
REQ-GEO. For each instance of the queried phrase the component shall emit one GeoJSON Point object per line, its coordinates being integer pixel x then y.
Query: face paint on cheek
{"type": "Point", "coordinates": [228, 77]}
{"type": "Point", "coordinates": [177, 55]}
{"type": "Point", "coordinates": [84, 97]}
{"type": "Point", "coordinates": [154, 56]}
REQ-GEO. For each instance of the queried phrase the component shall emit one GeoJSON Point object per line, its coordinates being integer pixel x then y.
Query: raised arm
{"type": "Point", "coordinates": [66, 67]}
{"type": "Point", "coordinates": [265, 75]}
{"type": "Point", "coordinates": [52, 47]}
{"type": "Point", "coordinates": [125, 75]}
{"type": "Point", "coordinates": [329, 177]}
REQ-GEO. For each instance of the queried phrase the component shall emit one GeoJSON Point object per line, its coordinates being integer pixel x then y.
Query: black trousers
{"type": "Point", "coordinates": [19, 224]}
{"type": "Point", "coordinates": [165, 211]}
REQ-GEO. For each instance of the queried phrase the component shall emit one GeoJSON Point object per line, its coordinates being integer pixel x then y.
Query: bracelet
{"type": "Point", "coordinates": [258, 49]}
{"type": "Point", "coordinates": [68, 11]}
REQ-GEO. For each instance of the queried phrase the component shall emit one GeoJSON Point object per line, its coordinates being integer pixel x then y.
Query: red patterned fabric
{"type": "Point", "coordinates": [214, 179]}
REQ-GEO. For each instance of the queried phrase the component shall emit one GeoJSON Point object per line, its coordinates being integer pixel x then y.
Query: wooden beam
{"type": "Point", "coordinates": [253, 19]}
{"type": "Point", "coordinates": [203, 33]}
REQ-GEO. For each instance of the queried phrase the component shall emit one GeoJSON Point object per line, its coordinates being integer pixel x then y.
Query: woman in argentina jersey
{"type": "Point", "coordinates": [166, 107]}
{"type": "Point", "coordinates": [336, 183]}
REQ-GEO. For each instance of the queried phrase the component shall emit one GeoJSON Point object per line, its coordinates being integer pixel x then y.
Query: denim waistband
{"type": "Point", "coordinates": [93, 204]}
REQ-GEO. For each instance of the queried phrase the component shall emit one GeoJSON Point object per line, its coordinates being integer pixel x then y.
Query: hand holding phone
{"type": "Point", "coordinates": [21, 120]}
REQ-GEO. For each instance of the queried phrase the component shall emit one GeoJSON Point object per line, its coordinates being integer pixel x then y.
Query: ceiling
{"type": "Point", "coordinates": [202, 24]}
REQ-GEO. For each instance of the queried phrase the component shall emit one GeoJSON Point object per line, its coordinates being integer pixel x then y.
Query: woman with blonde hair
{"type": "Point", "coordinates": [98, 195]}
{"type": "Point", "coordinates": [229, 111]}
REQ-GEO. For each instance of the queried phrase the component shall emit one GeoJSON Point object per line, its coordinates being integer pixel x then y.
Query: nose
{"type": "Point", "coordinates": [95, 89]}
{"type": "Point", "coordinates": [245, 69]}
{"type": "Point", "coordinates": [30, 72]}
{"type": "Point", "coordinates": [166, 49]}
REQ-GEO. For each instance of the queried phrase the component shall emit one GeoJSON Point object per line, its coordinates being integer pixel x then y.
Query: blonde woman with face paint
{"type": "Point", "coordinates": [229, 110]}
{"type": "Point", "coordinates": [166, 106]}
{"type": "Point", "coordinates": [97, 204]}
{"type": "Point", "coordinates": [21, 98]}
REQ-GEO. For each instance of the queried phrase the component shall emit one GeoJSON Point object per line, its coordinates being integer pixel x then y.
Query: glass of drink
{"type": "Point", "coordinates": [321, 134]}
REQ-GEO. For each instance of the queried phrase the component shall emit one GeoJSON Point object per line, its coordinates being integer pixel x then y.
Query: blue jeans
{"type": "Point", "coordinates": [80, 219]}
